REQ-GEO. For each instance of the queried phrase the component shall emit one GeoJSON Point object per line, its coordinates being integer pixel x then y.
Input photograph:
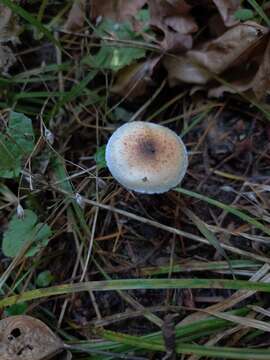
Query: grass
{"type": "Point", "coordinates": [121, 262]}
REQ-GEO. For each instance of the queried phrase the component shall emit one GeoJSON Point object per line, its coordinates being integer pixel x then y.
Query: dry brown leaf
{"type": "Point", "coordinates": [227, 8]}
{"type": "Point", "coordinates": [181, 69]}
{"type": "Point", "coordinates": [230, 49]}
{"type": "Point", "coordinates": [134, 80]}
{"type": "Point", "coordinates": [181, 24]}
{"type": "Point", "coordinates": [119, 10]}
{"type": "Point", "coordinates": [76, 16]}
{"type": "Point", "coordinates": [24, 338]}
{"type": "Point", "coordinates": [219, 54]}
{"type": "Point", "coordinates": [173, 19]}
{"type": "Point", "coordinates": [261, 81]}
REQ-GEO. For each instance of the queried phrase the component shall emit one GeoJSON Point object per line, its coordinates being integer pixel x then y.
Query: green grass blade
{"type": "Point", "coordinates": [201, 350]}
{"type": "Point", "coordinates": [260, 11]}
{"type": "Point", "coordinates": [210, 236]}
{"type": "Point", "coordinates": [136, 284]}
{"type": "Point", "coordinates": [240, 214]}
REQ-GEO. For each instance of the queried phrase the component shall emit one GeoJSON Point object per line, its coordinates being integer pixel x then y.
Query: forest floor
{"type": "Point", "coordinates": [114, 273]}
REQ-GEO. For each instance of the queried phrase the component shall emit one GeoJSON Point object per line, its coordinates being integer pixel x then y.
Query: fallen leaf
{"type": "Point", "coordinates": [219, 54]}
{"type": "Point", "coordinates": [227, 9]}
{"type": "Point", "coordinates": [23, 337]}
{"type": "Point", "coordinates": [181, 69]}
{"type": "Point", "coordinates": [118, 10]}
{"type": "Point", "coordinates": [231, 49]}
{"type": "Point", "coordinates": [261, 81]}
{"type": "Point", "coordinates": [76, 16]}
{"type": "Point", "coordinates": [133, 81]}
{"type": "Point", "coordinates": [172, 18]}
{"type": "Point", "coordinates": [181, 24]}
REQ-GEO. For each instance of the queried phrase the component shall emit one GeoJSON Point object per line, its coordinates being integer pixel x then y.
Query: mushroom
{"type": "Point", "coordinates": [146, 157]}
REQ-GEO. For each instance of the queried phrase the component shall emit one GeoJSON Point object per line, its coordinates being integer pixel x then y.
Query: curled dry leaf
{"type": "Point", "coordinates": [118, 10]}
{"type": "Point", "coordinates": [133, 81]}
{"type": "Point", "coordinates": [23, 338]}
{"type": "Point", "coordinates": [173, 19]}
{"type": "Point", "coordinates": [219, 54]}
{"type": "Point", "coordinates": [76, 16]}
{"type": "Point", "coordinates": [259, 82]}
{"type": "Point", "coordinates": [230, 49]}
{"type": "Point", "coordinates": [227, 8]}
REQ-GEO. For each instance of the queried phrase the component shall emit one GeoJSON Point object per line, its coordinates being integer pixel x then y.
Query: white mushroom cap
{"type": "Point", "coordinates": [146, 157]}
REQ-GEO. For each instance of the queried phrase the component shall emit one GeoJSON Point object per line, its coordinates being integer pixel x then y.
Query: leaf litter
{"type": "Point", "coordinates": [132, 43]}
{"type": "Point", "coordinates": [174, 32]}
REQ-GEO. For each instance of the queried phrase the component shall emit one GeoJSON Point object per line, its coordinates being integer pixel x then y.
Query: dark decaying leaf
{"type": "Point", "coordinates": [26, 338]}
{"type": "Point", "coordinates": [119, 10]}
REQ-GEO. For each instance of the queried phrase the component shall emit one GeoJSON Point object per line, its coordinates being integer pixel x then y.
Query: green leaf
{"type": "Point", "coordinates": [15, 143]}
{"type": "Point", "coordinates": [113, 56]}
{"type": "Point", "coordinates": [44, 278]}
{"type": "Point", "coordinates": [100, 157]}
{"type": "Point", "coordinates": [244, 14]}
{"type": "Point", "coordinates": [143, 15]}
{"type": "Point", "coordinates": [21, 231]}
{"type": "Point", "coordinates": [16, 309]}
